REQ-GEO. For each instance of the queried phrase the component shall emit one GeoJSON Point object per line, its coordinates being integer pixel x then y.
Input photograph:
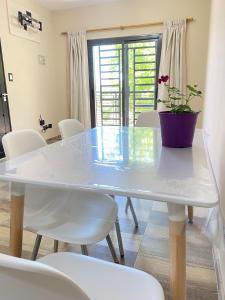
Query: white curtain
{"type": "Point", "coordinates": [79, 78]}
{"type": "Point", "coordinates": [173, 56]}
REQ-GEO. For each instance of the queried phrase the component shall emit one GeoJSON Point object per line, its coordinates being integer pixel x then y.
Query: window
{"type": "Point", "coordinates": [123, 78]}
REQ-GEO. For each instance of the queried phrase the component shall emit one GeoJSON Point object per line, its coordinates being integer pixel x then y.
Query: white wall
{"type": "Point", "coordinates": [214, 116]}
{"type": "Point", "coordinates": [135, 12]}
{"type": "Point", "coordinates": [33, 90]}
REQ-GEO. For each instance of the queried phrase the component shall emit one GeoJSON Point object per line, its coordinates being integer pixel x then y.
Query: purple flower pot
{"type": "Point", "coordinates": [177, 130]}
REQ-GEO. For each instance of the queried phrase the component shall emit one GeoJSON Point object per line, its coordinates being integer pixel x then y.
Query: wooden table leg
{"type": "Point", "coordinates": [177, 241]}
{"type": "Point", "coordinates": [16, 220]}
{"type": "Point", "coordinates": [190, 214]}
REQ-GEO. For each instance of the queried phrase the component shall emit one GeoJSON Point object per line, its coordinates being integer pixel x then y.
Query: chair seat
{"type": "Point", "coordinates": [102, 280]}
{"type": "Point", "coordinates": [81, 233]}
{"type": "Point", "coordinates": [81, 218]}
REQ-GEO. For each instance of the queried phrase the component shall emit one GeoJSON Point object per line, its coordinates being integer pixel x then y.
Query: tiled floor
{"type": "Point", "coordinates": [145, 248]}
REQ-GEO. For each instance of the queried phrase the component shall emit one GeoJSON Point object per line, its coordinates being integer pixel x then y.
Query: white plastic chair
{"type": "Point", "coordinates": [76, 217]}
{"type": "Point", "coordinates": [145, 119]}
{"type": "Point", "coordinates": [69, 127]}
{"type": "Point", "coordinates": [148, 119]}
{"type": "Point", "coordinates": [69, 276]}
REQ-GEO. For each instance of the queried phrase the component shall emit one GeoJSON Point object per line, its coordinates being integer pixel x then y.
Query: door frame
{"type": "Point", "coordinates": [6, 91]}
{"type": "Point", "coordinates": [119, 40]}
{"type": "Point", "coordinates": [5, 82]}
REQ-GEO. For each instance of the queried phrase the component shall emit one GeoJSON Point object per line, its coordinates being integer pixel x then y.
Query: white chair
{"type": "Point", "coordinates": [148, 119]}
{"type": "Point", "coordinates": [76, 217]}
{"type": "Point", "coordinates": [145, 119]}
{"type": "Point", "coordinates": [70, 127]}
{"type": "Point", "coordinates": [70, 276]}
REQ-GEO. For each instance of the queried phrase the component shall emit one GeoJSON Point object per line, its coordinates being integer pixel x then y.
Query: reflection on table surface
{"type": "Point", "coordinates": [122, 161]}
{"type": "Point", "coordinates": [113, 145]}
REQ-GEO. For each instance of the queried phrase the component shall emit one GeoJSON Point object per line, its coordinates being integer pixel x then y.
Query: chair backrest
{"type": "Point", "coordinates": [19, 142]}
{"type": "Point", "coordinates": [41, 203]}
{"type": "Point", "coordinates": [148, 119]}
{"type": "Point", "coordinates": [25, 279]}
{"type": "Point", "coordinates": [70, 127]}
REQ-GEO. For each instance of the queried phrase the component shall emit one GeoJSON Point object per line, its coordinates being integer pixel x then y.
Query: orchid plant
{"type": "Point", "coordinates": [178, 102]}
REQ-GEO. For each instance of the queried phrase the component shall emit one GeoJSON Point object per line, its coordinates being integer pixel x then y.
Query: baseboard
{"type": "Point", "coordinates": [220, 272]}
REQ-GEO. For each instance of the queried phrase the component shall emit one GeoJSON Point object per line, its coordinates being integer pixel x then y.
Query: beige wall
{"type": "Point", "coordinates": [43, 89]}
{"type": "Point", "coordinates": [135, 12]}
{"type": "Point", "coordinates": [214, 116]}
{"type": "Point", "coordinates": [33, 90]}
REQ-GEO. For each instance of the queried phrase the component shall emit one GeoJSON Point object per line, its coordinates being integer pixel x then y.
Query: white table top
{"type": "Point", "coordinates": [121, 161]}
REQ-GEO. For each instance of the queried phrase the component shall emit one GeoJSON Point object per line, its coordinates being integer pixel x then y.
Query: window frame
{"type": "Point", "coordinates": [119, 40]}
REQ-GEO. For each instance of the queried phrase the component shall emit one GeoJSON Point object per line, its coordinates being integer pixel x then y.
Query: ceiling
{"type": "Point", "coordinates": [67, 4]}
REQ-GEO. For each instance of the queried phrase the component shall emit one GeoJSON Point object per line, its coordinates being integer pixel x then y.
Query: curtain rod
{"type": "Point", "coordinates": [190, 19]}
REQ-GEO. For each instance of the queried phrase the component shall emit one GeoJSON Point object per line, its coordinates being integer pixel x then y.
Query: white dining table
{"type": "Point", "coordinates": [120, 161]}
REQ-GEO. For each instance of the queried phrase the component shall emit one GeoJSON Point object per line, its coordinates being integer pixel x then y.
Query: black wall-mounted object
{"type": "Point", "coordinates": [43, 125]}
{"type": "Point", "coordinates": [26, 20]}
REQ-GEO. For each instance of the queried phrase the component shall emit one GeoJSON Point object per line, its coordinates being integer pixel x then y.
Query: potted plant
{"type": "Point", "coordinates": [178, 123]}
